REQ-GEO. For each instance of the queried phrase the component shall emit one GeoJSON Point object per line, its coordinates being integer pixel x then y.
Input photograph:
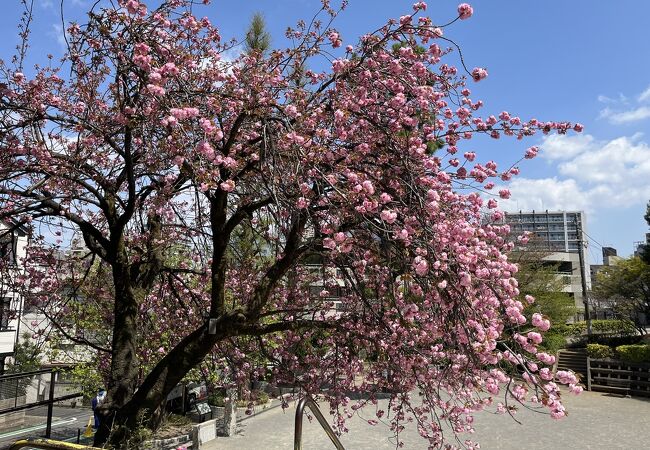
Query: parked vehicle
{"type": "Point", "coordinates": [185, 395]}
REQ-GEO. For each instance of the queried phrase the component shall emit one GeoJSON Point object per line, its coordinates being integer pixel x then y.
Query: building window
{"type": "Point", "coordinates": [8, 248]}
{"type": "Point", "coordinates": [5, 313]}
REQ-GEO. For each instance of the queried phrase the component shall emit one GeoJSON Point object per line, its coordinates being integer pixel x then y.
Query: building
{"type": "Point", "coordinates": [561, 234]}
{"type": "Point", "coordinates": [610, 258]}
{"type": "Point", "coordinates": [641, 247]}
{"type": "Point", "coordinates": [603, 308]}
{"type": "Point", "coordinates": [13, 249]}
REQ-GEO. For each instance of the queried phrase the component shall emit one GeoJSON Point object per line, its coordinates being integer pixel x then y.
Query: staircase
{"type": "Point", "coordinates": [574, 359]}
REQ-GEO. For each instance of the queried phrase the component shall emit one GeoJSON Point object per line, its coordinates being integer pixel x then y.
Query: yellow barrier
{"type": "Point", "coordinates": [48, 444]}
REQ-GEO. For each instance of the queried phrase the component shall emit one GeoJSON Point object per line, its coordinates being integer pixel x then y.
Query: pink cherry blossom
{"type": "Point", "coordinates": [421, 266]}
{"type": "Point", "coordinates": [228, 186]}
{"type": "Point", "coordinates": [388, 216]}
{"type": "Point", "coordinates": [479, 73]}
{"type": "Point", "coordinates": [465, 11]}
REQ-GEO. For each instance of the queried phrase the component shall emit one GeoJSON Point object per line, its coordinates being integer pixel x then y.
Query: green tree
{"type": "Point", "coordinates": [257, 38]}
{"type": "Point", "coordinates": [628, 284]}
{"type": "Point", "coordinates": [26, 357]}
{"type": "Point", "coordinates": [538, 277]}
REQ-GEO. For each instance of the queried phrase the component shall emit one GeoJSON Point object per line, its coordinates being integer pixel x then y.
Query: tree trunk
{"type": "Point", "coordinates": [146, 406]}
{"type": "Point", "coordinates": [124, 357]}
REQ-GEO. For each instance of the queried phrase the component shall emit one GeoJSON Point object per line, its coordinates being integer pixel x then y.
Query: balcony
{"type": "Point", "coordinates": [7, 341]}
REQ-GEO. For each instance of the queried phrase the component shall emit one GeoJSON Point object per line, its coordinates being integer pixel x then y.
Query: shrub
{"type": "Point", "coordinates": [216, 399]}
{"type": "Point", "coordinates": [615, 341]}
{"type": "Point", "coordinates": [256, 398]}
{"type": "Point", "coordinates": [616, 327]}
{"type": "Point", "coordinates": [634, 353]}
{"type": "Point", "coordinates": [263, 398]}
{"type": "Point", "coordinates": [598, 351]}
{"type": "Point", "coordinates": [553, 342]}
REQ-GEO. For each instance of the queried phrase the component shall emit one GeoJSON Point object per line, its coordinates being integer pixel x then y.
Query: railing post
{"type": "Point", "coordinates": [16, 393]}
{"type": "Point", "coordinates": [50, 405]}
{"type": "Point", "coordinates": [297, 436]}
{"type": "Point", "coordinates": [300, 409]}
{"type": "Point", "coordinates": [588, 373]}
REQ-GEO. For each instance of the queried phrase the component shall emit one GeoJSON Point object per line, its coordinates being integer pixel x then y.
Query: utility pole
{"type": "Point", "coordinates": [583, 278]}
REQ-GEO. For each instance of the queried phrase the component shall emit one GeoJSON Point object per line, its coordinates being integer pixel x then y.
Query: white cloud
{"type": "Point", "coordinates": [597, 175]}
{"type": "Point", "coordinates": [621, 117]}
{"type": "Point", "coordinates": [546, 193]}
{"type": "Point", "coordinates": [624, 113]}
{"type": "Point", "coordinates": [58, 34]}
{"type": "Point", "coordinates": [644, 96]}
{"type": "Point", "coordinates": [623, 161]}
{"type": "Point", "coordinates": [605, 99]}
{"type": "Point", "coordinates": [564, 146]}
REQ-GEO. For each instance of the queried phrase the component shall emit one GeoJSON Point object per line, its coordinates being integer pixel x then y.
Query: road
{"type": "Point", "coordinates": [66, 422]}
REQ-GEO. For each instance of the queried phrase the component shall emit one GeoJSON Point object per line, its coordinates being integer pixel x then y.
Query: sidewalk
{"type": "Point", "coordinates": [595, 421]}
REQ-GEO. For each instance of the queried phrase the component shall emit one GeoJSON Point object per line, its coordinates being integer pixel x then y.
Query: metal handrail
{"type": "Point", "coordinates": [300, 409]}
{"type": "Point", "coordinates": [48, 444]}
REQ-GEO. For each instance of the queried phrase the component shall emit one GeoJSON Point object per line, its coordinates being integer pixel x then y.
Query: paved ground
{"type": "Point", "coordinates": [65, 424]}
{"type": "Point", "coordinates": [596, 421]}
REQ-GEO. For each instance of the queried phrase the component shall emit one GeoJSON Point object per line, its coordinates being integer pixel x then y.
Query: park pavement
{"type": "Point", "coordinates": [595, 421]}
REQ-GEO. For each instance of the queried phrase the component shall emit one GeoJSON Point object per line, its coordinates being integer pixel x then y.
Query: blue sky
{"type": "Point", "coordinates": [584, 61]}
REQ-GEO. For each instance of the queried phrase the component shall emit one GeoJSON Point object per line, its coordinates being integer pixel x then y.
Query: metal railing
{"type": "Point", "coordinates": [47, 444]}
{"type": "Point", "coordinates": [300, 410]}
{"type": "Point", "coordinates": [15, 386]}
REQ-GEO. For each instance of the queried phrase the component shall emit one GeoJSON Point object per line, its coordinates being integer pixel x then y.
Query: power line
{"type": "Point", "coordinates": [592, 239]}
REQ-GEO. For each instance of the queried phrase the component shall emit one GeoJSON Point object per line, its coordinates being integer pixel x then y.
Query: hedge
{"type": "Point", "coordinates": [598, 351]}
{"type": "Point", "coordinates": [614, 327]}
{"type": "Point", "coordinates": [634, 353]}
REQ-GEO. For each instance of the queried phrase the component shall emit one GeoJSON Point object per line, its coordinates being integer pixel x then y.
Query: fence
{"type": "Point", "coordinates": [618, 377]}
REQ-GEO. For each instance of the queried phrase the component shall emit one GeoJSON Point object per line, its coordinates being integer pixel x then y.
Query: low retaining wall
{"type": "Point", "coordinates": [184, 440]}
{"type": "Point", "coordinates": [204, 432]}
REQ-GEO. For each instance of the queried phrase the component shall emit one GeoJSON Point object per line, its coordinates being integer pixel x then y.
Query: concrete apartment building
{"type": "Point", "coordinates": [560, 234]}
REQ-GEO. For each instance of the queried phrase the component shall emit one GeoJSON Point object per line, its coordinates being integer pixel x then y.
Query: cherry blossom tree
{"type": "Point", "coordinates": [202, 187]}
